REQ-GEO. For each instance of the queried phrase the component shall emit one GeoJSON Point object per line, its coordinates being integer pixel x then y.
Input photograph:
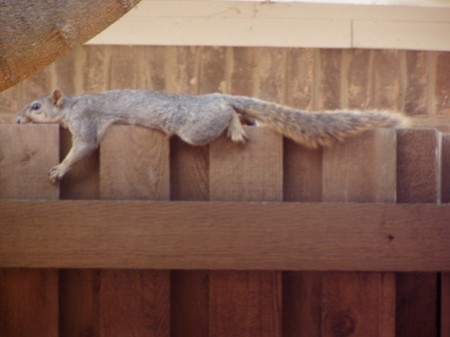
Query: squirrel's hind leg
{"type": "Point", "coordinates": [235, 130]}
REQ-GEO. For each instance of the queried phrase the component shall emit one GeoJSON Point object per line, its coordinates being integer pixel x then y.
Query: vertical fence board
{"type": "Point", "coordinates": [96, 68]}
{"type": "Point", "coordinates": [445, 305]}
{"type": "Point", "coordinates": [418, 165]}
{"type": "Point", "coordinates": [212, 70]}
{"type": "Point", "coordinates": [82, 181]}
{"type": "Point", "coordinates": [246, 303]}
{"type": "Point", "coordinates": [134, 165]}
{"type": "Point", "coordinates": [28, 297]}
{"type": "Point", "coordinates": [361, 170]}
{"type": "Point", "coordinates": [189, 289]}
{"type": "Point", "coordinates": [243, 63]}
{"type": "Point", "coordinates": [445, 277]}
{"type": "Point", "coordinates": [358, 78]}
{"type": "Point", "coordinates": [416, 91]}
{"type": "Point", "coordinates": [269, 74]}
{"type": "Point", "coordinates": [302, 304]}
{"type": "Point", "coordinates": [123, 73]}
{"type": "Point", "coordinates": [328, 79]}
{"type": "Point", "coordinates": [183, 64]}
{"type": "Point", "coordinates": [189, 180]}
{"type": "Point", "coordinates": [152, 68]}
{"type": "Point", "coordinates": [302, 291]}
{"type": "Point", "coordinates": [302, 173]}
{"type": "Point", "coordinates": [79, 306]}
{"type": "Point", "coordinates": [79, 287]}
{"type": "Point", "coordinates": [386, 87]}
{"type": "Point", "coordinates": [445, 169]}
{"type": "Point", "coordinates": [442, 85]}
{"type": "Point", "coordinates": [299, 79]}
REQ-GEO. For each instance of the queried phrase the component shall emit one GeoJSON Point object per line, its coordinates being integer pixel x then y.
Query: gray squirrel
{"type": "Point", "coordinates": [196, 119]}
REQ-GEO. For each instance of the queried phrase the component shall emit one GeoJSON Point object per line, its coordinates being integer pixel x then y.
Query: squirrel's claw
{"type": "Point", "coordinates": [55, 174]}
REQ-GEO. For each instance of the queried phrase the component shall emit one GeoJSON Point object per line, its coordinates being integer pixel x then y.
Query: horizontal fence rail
{"type": "Point", "coordinates": [153, 237]}
{"type": "Point", "coordinates": [225, 235]}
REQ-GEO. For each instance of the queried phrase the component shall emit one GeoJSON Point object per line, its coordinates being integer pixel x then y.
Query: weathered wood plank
{"type": "Point", "coordinates": [442, 86]}
{"type": "Point", "coordinates": [134, 165]}
{"type": "Point", "coordinates": [418, 171]}
{"type": "Point", "coordinates": [24, 162]}
{"type": "Point", "coordinates": [387, 79]}
{"type": "Point", "coordinates": [358, 78]}
{"type": "Point", "coordinates": [224, 235]}
{"type": "Point", "coordinates": [361, 170]}
{"type": "Point", "coordinates": [137, 158]}
{"type": "Point", "coordinates": [302, 291]}
{"type": "Point", "coordinates": [445, 305]}
{"type": "Point", "coordinates": [328, 87]}
{"type": "Point", "coordinates": [189, 174]}
{"type": "Point", "coordinates": [246, 303]}
{"type": "Point", "coordinates": [29, 298]}
{"type": "Point", "coordinates": [445, 277]}
{"type": "Point", "coordinates": [78, 302]}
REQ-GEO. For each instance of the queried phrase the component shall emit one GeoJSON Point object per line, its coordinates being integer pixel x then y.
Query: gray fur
{"type": "Point", "coordinates": [196, 119]}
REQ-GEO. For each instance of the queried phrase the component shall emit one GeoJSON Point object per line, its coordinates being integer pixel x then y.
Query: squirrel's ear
{"type": "Point", "coordinates": [56, 97]}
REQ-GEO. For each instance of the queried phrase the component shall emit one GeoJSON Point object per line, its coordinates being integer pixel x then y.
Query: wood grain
{"type": "Point", "coordinates": [203, 235]}
{"type": "Point", "coordinates": [360, 304]}
{"type": "Point", "coordinates": [358, 78]}
{"type": "Point", "coordinates": [246, 303]}
{"type": "Point", "coordinates": [134, 165]}
{"type": "Point", "coordinates": [235, 164]}
{"type": "Point", "coordinates": [189, 174]}
{"type": "Point", "coordinates": [302, 179]}
{"type": "Point", "coordinates": [328, 87]}
{"type": "Point", "coordinates": [445, 168]}
{"type": "Point", "coordinates": [445, 305]}
{"type": "Point", "coordinates": [302, 291]}
{"type": "Point", "coordinates": [189, 167]}
{"type": "Point", "coordinates": [445, 277]}
{"type": "Point", "coordinates": [418, 170]}
{"type": "Point", "coordinates": [212, 70]}
{"type": "Point", "coordinates": [417, 75]}
{"type": "Point", "coordinates": [363, 169]}
{"type": "Point", "coordinates": [79, 302]}
{"type": "Point", "coordinates": [241, 68]}
{"type": "Point", "coordinates": [29, 298]}
{"type": "Point", "coordinates": [387, 79]}
{"type": "Point", "coordinates": [136, 158]}
{"type": "Point", "coordinates": [24, 162]}
{"type": "Point", "coordinates": [82, 181]}
{"type": "Point", "coordinates": [299, 77]}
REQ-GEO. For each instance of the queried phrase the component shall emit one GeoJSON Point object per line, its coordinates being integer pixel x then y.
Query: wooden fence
{"type": "Point", "coordinates": [226, 240]}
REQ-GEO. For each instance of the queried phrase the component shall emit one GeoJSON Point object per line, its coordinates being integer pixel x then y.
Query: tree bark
{"type": "Point", "coordinates": [33, 34]}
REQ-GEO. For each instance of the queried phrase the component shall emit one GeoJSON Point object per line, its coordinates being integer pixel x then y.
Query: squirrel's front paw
{"type": "Point", "coordinates": [56, 173]}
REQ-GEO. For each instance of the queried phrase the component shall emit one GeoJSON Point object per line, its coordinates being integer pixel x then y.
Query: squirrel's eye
{"type": "Point", "coordinates": [36, 106]}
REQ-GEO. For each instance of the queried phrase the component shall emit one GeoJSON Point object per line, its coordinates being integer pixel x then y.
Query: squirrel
{"type": "Point", "coordinates": [196, 119]}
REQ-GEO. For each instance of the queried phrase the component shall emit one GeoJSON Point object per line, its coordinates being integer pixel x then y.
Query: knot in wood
{"type": "Point", "coordinates": [343, 324]}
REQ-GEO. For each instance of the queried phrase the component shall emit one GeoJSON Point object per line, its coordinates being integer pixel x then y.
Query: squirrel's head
{"type": "Point", "coordinates": [42, 110]}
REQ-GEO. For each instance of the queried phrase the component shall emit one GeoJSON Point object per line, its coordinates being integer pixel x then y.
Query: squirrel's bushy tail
{"type": "Point", "coordinates": [314, 129]}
